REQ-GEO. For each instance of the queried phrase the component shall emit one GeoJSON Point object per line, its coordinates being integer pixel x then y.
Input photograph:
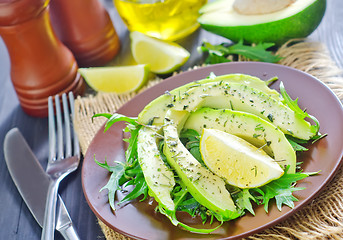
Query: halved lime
{"type": "Point", "coordinates": [122, 79]}
{"type": "Point", "coordinates": [161, 56]}
{"type": "Point", "coordinates": [238, 162]}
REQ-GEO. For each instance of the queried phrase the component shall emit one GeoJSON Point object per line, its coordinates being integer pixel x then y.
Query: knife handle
{"type": "Point", "coordinates": [69, 233]}
{"type": "Point", "coordinates": [64, 223]}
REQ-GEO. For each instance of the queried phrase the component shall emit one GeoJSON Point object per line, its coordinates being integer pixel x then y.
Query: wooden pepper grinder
{"type": "Point", "coordinates": [40, 64]}
{"type": "Point", "coordinates": [85, 27]}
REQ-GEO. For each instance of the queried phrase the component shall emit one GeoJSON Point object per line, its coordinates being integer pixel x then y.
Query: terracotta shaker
{"type": "Point", "coordinates": [40, 64]}
{"type": "Point", "coordinates": [85, 27]}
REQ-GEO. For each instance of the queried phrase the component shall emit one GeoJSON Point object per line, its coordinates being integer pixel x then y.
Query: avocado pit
{"type": "Point", "coordinates": [256, 7]}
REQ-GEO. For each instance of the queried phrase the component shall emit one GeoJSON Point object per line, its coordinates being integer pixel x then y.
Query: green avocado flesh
{"type": "Point", "coordinates": [251, 128]}
{"type": "Point", "coordinates": [236, 95]}
{"type": "Point", "coordinates": [155, 111]}
{"type": "Point", "coordinates": [298, 20]}
{"type": "Point", "coordinates": [207, 188]}
{"type": "Point", "coordinates": [240, 97]}
{"type": "Point", "coordinates": [158, 176]}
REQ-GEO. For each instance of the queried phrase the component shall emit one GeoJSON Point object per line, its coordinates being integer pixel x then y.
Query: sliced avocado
{"type": "Point", "coordinates": [159, 178]}
{"type": "Point", "coordinates": [207, 188]}
{"type": "Point", "coordinates": [243, 98]}
{"type": "Point", "coordinates": [250, 127]}
{"type": "Point", "coordinates": [297, 20]}
{"type": "Point", "coordinates": [155, 111]}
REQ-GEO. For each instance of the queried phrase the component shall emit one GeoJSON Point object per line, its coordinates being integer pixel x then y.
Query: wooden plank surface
{"type": "Point", "coordinates": [16, 221]}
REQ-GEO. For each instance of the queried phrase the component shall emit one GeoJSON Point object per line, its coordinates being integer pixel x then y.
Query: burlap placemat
{"type": "Point", "coordinates": [323, 217]}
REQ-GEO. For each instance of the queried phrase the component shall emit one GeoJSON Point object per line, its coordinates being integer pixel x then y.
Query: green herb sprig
{"type": "Point", "coordinates": [220, 53]}
{"type": "Point", "coordinates": [128, 173]}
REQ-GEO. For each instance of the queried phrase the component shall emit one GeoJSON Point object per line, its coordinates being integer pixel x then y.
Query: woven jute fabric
{"type": "Point", "coordinates": [323, 217]}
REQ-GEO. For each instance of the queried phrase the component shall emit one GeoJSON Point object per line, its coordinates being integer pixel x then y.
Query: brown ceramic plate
{"type": "Point", "coordinates": [138, 219]}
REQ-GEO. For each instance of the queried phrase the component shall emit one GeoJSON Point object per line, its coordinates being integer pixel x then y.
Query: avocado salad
{"type": "Point", "coordinates": [213, 148]}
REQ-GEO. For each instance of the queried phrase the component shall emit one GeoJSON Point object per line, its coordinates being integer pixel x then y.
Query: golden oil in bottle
{"type": "Point", "coordinates": [164, 19]}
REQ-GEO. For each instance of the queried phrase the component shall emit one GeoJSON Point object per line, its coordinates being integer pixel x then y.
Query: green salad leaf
{"type": "Point", "coordinates": [113, 184]}
{"type": "Point", "coordinates": [296, 143]}
{"type": "Point", "coordinates": [219, 53]}
{"type": "Point", "coordinates": [191, 139]}
{"type": "Point", "coordinates": [130, 172]}
{"type": "Point", "coordinates": [243, 199]}
{"type": "Point", "coordinates": [293, 104]}
{"type": "Point", "coordinates": [281, 190]}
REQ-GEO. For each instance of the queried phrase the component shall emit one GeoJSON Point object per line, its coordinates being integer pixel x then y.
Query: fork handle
{"type": "Point", "coordinates": [49, 222]}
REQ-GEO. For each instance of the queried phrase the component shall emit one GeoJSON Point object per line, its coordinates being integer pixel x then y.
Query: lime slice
{"type": "Point", "coordinates": [238, 162]}
{"type": "Point", "coordinates": [161, 56]}
{"type": "Point", "coordinates": [121, 79]}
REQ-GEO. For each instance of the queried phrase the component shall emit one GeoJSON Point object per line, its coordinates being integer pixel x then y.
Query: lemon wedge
{"type": "Point", "coordinates": [161, 56]}
{"type": "Point", "coordinates": [121, 79]}
{"type": "Point", "coordinates": [238, 162]}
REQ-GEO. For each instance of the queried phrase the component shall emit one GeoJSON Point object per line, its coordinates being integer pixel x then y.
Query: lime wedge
{"type": "Point", "coordinates": [121, 79]}
{"type": "Point", "coordinates": [161, 56]}
{"type": "Point", "coordinates": [238, 162]}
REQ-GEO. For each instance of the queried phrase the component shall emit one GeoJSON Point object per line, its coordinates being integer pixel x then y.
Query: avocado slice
{"type": "Point", "coordinates": [159, 178]}
{"type": "Point", "coordinates": [243, 98]}
{"type": "Point", "coordinates": [297, 20]}
{"type": "Point", "coordinates": [249, 127]}
{"type": "Point", "coordinates": [207, 188]}
{"type": "Point", "coordinates": [155, 111]}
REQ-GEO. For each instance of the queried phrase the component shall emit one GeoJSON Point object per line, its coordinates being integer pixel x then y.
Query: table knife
{"type": "Point", "coordinates": [32, 182]}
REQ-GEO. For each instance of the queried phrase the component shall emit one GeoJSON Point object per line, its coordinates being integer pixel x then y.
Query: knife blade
{"type": "Point", "coordinates": [32, 182]}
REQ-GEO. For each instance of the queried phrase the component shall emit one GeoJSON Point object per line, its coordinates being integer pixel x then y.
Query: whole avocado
{"type": "Point", "coordinates": [297, 21]}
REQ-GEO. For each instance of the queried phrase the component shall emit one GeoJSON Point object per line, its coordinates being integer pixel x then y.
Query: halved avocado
{"type": "Point", "coordinates": [297, 20]}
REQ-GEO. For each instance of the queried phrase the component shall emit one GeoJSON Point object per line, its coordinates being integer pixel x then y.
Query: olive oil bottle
{"type": "Point", "coordinates": [163, 19]}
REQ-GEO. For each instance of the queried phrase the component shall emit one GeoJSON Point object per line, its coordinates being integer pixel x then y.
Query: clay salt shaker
{"type": "Point", "coordinates": [40, 64]}
{"type": "Point", "coordinates": [85, 27]}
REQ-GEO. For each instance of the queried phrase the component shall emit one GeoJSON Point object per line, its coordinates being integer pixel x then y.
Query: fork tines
{"type": "Point", "coordinates": [57, 128]}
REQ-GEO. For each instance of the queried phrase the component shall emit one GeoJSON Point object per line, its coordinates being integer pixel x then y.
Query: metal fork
{"type": "Point", "coordinates": [60, 162]}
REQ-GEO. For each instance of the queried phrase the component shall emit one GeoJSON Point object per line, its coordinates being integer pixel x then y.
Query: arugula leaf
{"type": "Point", "coordinates": [219, 53]}
{"type": "Point", "coordinates": [113, 184]}
{"type": "Point", "coordinates": [130, 172]}
{"type": "Point", "coordinates": [175, 222]}
{"type": "Point", "coordinates": [257, 53]}
{"type": "Point", "coordinates": [131, 151]}
{"type": "Point", "coordinates": [293, 104]}
{"type": "Point", "coordinates": [191, 139]}
{"type": "Point", "coordinates": [140, 188]}
{"type": "Point", "coordinates": [243, 200]}
{"type": "Point", "coordinates": [113, 118]}
{"type": "Point", "coordinates": [281, 189]}
{"type": "Point", "coordinates": [296, 143]}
